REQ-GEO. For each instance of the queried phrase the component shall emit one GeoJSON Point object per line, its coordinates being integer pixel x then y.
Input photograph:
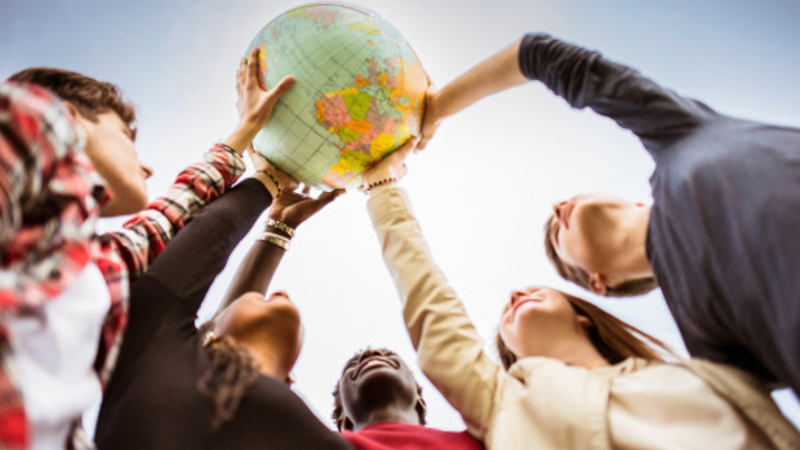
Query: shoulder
{"type": "Point", "coordinates": [36, 116]}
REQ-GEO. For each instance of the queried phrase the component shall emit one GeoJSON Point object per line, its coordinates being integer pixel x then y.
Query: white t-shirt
{"type": "Point", "coordinates": [54, 348]}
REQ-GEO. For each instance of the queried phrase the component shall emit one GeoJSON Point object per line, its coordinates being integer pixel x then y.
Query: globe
{"type": "Point", "coordinates": [359, 92]}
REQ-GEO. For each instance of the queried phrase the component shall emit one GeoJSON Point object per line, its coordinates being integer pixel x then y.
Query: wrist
{"type": "Point", "coordinates": [282, 227]}
{"type": "Point", "coordinates": [269, 181]}
{"type": "Point", "coordinates": [379, 185]}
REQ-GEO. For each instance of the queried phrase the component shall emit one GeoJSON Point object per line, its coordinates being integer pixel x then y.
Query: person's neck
{"type": "Point", "coordinates": [389, 413]}
{"type": "Point", "coordinates": [575, 352]}
{"type": "Point", "coordinates": [631, 260]}
{"type": "Point", "coordinates": [265, 357]}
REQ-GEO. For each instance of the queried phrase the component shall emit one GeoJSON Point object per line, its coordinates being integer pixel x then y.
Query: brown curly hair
{"type": "Point", "coordinates": [613, 338]}
{"type": "Point", "coordinates": [232, 371]}
{"type": "Point", "coordinates": [88, 95]}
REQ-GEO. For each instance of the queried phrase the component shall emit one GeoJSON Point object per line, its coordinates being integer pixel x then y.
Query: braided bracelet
{"type": "Point", "coordinates": [274, 180]}
{"type": "Point", "coordinates": [281, 226]}
{"type": "Point", "coordinates": [379, 183]}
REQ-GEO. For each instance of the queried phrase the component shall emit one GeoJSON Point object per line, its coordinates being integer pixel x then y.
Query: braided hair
{"type": "Point", "coordinates": [232, 371]}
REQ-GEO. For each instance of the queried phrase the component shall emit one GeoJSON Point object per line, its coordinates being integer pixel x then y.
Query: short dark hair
{"type": "Point", "coordinates": [615, 339]}
{"type": "Point", "coordinates": [88, 95]}
{"type": "Point", "coordinates": [575, 274]}
{"type": "Point", "coordinates": [340, 418]}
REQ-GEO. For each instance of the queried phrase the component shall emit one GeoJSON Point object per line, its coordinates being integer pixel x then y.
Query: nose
{"type": "Point", "coordinates": [558, 207]}
{"type": "Point", "coordinates": [516, 295]}
{"type": "Point", "coordinates": [147, 171]}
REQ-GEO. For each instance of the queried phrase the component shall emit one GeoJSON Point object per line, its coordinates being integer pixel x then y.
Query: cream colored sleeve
{"type": "Point", "coordinates": [449, 349]}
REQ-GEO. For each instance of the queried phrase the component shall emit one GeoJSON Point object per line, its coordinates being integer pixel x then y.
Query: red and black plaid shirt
{"type": "Point", "coordinates": [51, 198]}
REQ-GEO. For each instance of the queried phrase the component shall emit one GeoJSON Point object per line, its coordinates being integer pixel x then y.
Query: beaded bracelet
{"type": "Point", "coordinates": [275, 239]}
{"type": "Point", "coordinates": [274, 180]}
{"type": "Point", "coordinates": [281, 226]}
{"type": "Point", "coordinates": [379, 183]}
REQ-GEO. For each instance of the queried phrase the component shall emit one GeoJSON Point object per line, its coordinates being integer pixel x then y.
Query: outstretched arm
{"type": "Point", "coordinates": [449, 349]}
{"type": "Point", "coordinates": [497, 73]}
{"type": "Point", "coordinates": [146, 234]}
{"type": "Point", "coordinates": [288, 211]}
{"type": "Point", "coordinates": [584, 78]}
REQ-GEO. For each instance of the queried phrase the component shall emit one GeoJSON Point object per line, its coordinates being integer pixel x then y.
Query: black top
{"type": "Point", "coordinates": [152, 400]}
{"type": "Point", "coordinates": [724, 231]}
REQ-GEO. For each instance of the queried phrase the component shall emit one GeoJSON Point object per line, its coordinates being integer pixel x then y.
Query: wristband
{"type": "Point", "coordinates": [274, 180]}
{"type": "Point", "coordinates": [226, 147]}
{"type": "Point", "coordinates": [281, 226]}
{"type": "Point", "coordinates": [379, 183]}
{"type": "Point", "coordinates": [275, 239]}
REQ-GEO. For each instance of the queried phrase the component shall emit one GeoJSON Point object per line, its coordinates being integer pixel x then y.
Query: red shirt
{"type": "Point", "coordinates": [401, 436]}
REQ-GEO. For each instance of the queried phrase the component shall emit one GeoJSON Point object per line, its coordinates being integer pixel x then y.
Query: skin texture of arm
{"type": "Point", "coordinates": [497, 73]}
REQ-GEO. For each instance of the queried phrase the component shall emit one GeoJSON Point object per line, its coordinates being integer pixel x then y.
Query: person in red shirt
{"type": "Point", "coordinates": [378, 405]}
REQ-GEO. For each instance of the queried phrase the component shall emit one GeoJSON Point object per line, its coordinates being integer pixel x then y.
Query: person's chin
{"type": "Point", "coordinates": [116, 207]}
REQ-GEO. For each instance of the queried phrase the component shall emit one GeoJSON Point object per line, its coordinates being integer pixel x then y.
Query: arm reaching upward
{"type": "Point", "coordinates": [584, 78]}
{"type": "Point", "coordinates": [499, 72]}
{"type": "Point", "coordinates": [288, 211]}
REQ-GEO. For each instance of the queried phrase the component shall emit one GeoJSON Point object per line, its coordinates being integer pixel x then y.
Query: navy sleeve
{"type": "Point", "coordinates": [584, 78]}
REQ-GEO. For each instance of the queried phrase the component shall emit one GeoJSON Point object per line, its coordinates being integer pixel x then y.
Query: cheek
{"type": "Point", "coordinates": [509, 333]}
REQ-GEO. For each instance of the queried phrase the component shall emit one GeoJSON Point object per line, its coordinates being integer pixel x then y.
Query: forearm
{"type": "Point", "coordinates": [200, 251]}
{"type": "Point", "coordinates": [499, 72]}
{"type": "Point", "coordinates": [584, 78]}
{"type": "Point", "coordinates": [146, 234]}
{"type": "Point", "coordinates": [256, 270]}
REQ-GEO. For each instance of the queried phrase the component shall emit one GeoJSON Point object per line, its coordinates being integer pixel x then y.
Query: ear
{"type": "Point", "coordinates": [421, 403]}
{"type": "Point", "coordinates": [597, 283]}
{"type": "Point", "coordinates": [82, 121]}
{"type": "Point", "coordinates": [584, 321]}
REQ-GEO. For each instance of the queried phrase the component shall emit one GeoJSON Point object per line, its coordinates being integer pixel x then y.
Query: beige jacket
{"type": "Point", "coordinates": [543, 403]}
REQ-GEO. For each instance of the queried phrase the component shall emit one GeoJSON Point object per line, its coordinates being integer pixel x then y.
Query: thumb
{"type": "Point", "coordinates": [281, 88]}
{"type": "Point", "coordinates": [407, 148]}
{"type": "Point", "coordinates": [327, 197]}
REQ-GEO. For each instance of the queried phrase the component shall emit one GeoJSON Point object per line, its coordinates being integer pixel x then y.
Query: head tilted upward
{"type": "Point", "coordinates": [545, 322]}
{"type": "Point", "coordinates": [251, 336]}
{"type": "Point", "coordinates": [377, 386]}
{"type": "Point", "coordinates": [598, 242]}
{"type": "Point", "coordinates": [109, 125]}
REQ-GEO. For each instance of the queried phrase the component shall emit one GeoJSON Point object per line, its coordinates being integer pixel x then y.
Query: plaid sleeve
{"type": "Point", "coordinates": [146, 234]}
{"type": "Point", "coordinates": [51, 196]}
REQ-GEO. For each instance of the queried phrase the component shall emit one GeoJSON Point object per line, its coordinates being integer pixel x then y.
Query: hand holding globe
{"type": "Point", "coordinates": [359, 94]}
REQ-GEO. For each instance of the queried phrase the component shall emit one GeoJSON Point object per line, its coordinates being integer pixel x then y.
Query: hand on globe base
{"type": "Point", "coordinates": [432, 116]}
{"type": "Point", "coordinates": [392, 166]}
{"type": "Point", "coordinates": [255, 102]}
{"type": "Point", "coordinates": [293, 207]}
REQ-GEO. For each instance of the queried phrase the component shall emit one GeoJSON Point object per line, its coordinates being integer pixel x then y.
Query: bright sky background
{"type": "Point", "coordinates": [485, 185]}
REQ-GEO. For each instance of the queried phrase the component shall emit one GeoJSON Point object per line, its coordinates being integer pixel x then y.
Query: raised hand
{"type": "Point", "coordinates": [255, 102]}
{"type": "Point", "coordinates": [432, 118]}
{"type": "Point", "coordinates": [293, 207]}
{"type": "Point", "coordinates": [392, 167]}
{"type": "Point", "coordinates": [261, 164]}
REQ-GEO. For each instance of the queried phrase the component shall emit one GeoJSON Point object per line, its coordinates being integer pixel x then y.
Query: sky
{"type": "Point", "coordinates": [486, 183]}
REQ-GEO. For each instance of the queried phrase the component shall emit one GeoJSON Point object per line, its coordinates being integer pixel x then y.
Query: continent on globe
{"type": "Point", "coordinates": [359, 92]}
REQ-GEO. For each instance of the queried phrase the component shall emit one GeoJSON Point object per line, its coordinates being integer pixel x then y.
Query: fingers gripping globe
{"type": "Point", "coordinates": [359, 92]}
